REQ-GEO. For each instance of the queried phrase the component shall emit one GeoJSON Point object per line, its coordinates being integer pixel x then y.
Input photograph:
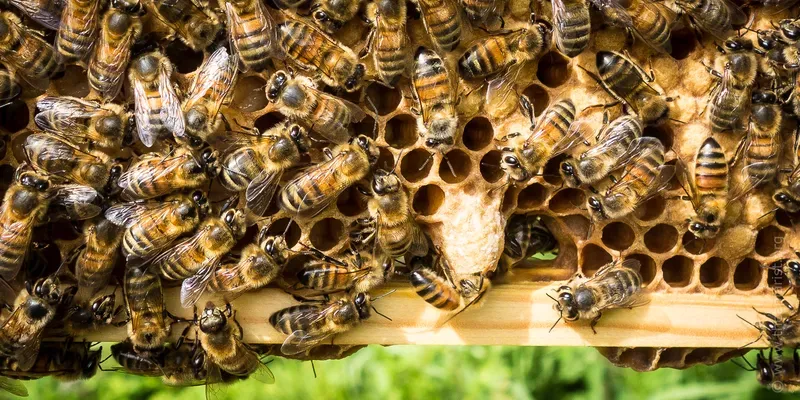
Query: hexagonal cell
{"type": "Point", "coordinates": [478, 133]}
{"type": "Point", "coordinates": [714, 272]}
{"type": "Point", "coordinates": [73, 83]}
{"type": "Point", "coordinates": [292, 234]}
{"type": "Point", "coordinates": [672, 357]}
{"type": "Point", "coordinates": [185, 59]}
{"type": "Point", "coordinates": [385, 161]}
{"type": "Point", "coordinates": [416, 165]}
{"type": "Point", "coordinates": [648, 266]}
{"type": "Point", "coordinates": [674, 182]}
{"type": "Point", "coordinates": [551, 168]}
{"type": "Point", "coordinates": [250, 236]}
{"type": "Point", "coordinates": [786, 219]}
{"type": "Point", "coordinates": [618, 235]}
{"type": "Point", "coordinates": [366, 126]}
{"type": "Point", "coordinates": [592, 258]}
{"type": "Point", "coordinates": [532, 196]}
{"type": "Point", "coordinates": [401, 131]}
{"type": "Point", "coordinates": [490, 166]}
{"type": "Point", "coordinates": [769, 240]}
{"type": "Point", "coordinates": [695, 245]}
{"type": "Point", "coordinates": [455, 166]}
{"type": "Point", "coordinates": [249, 94]}
{"type": "Point", "coordinates": [683, 42]}
{"type": "Point", "coordinates": [677, 271]}
{"type": "Point", "coordinates": [326, 234]}
{"type": "Point", "coordinates": [428, 199]}
{"type": "Point", "coordinates": [268, 120]}
{"type": "Point", "coordinates": [351, 202]}
{"type": "Point", "coordinates": [567, 200]}
{"type": "Point", "coordinates": [776, 279]}
{"type": "Point", "coordinates": [384, 98]}
{"type": "Point", "coordinates": [553, 69]}
{"type": "Point", "coordinates": [509, 200]}
{"type": "Point", "coordinates": [14, 116]}
{"type": "Point", "coordinates": [650, 209]}
{"type": "Point", "coordinates": [662, 133]}
{"type": "Point", "coordinates": [539, 97]}
{"type": "Point", "coordinates": [747, 274]}
{"type": "Point", "coordinates": [700, 356]}
{"type": "Point", "coordinates": [578, 225]}
{"type": "Point", "coordinates": [639, 359]}
{"type": "Point", "coordinates": [661, 238]}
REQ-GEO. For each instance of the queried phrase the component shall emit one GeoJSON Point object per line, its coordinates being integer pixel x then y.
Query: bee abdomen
{"type": "Point", "coordinates": [711, 169]}
{"type": "Point", "coordinates": [575, 30]}
{"type": "Point", "coordinates": [326, 277]}
{"type": "Point", "coordinates": [283, 322]}
{"type": "Point", "coordinates": [9, 88]}
{"type": "Point", "coordinates": [434, 290]}
{"type": "Point", "coordinates": [12, 252]}
{"type": "Point", "coordinates": [483, 59]}
{"type": "Point", "coordinates": [443, 24]}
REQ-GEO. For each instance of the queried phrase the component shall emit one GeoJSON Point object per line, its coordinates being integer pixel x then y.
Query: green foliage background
{"type": "Point", "coordinates": [427, 372]}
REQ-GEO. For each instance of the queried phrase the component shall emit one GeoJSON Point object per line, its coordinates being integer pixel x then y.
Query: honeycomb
{"type": "Point", "coordinates": [460, 198]}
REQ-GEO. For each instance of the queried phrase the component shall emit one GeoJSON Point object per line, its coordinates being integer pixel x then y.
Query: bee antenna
{"type": "Point", "coordinates": [449, 165]}
{"type": "Point", "coordinates": [314, 369]}
{"type": "Point", "coordinates": [748, 322]}
{"type": "Point", "coordinates": [378, 312]}
{"type": "Point", "coordinates": [425, 164]}
{"type": "Point", "coordinates": [397, 162]}
{"type": "Point", "coordinates": [774, 210]}
{"type": "Point", "coordinates": [677, 120]}
{"type": "Point", "coordinates": [749, 366]}
{"type": "Point", "coordinates": [375, 110]}
{"type": "Point", "coordinates": [384, 295]}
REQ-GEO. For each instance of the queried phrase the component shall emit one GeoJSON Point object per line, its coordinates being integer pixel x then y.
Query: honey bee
{"type": "Point", "coordinates": [120, 28]}
{"type": "Point", "coordinates": [134, 362]}
{"type": "Point", "coordinates": [526, 235]}
{"type": "Point", "coordinates": [45, 12]}
{"type": "Point", "coordinates": [479, 11]}
{"type": "Point", "coordinates": [313, 50]}
{"type": "Point", "coordinates": [630, 85]}
{"type": "Point", "coordinates": [195, 25]}
{"type": "Point", "coordinates": [78, 29]}
{"type": "Point", "coordinates": [609, 152]}
{"type": "Point", "coordinates": [551, 136]}
{"type": "Point", "coordinates": [195, 258]}
{"type": "Point", "coordinates": [390, 40]}
{"type": "Point", "coordinates": [361, 272]}
{"type": "Point", "coordinates": [13, 386]}
{"type": "Point", "coordinates": [178, 365]}
{"type": "Point", "coordinates": [147, 325]}
{"type": "Point", "coordinates": [318, 186]}
{"type": "Point", "coordinates": [781, 331]}
{"type": "Point", "coordinates": [761, 149]}
{"type": "Point", "coordinates": [446, 293]}
{"type": "Point", "coordinates": [435, 94]}
{"type": "Point", "coordinates": [21, 333]}
{"type": "Point", "coordinates": [309, 324]}
{"type": "Point", "coordinates": [258, 165]}
{"type": "Point", "coordinates": [157, 107]}
{"type": "Point", "coordinates": [442, 23]}
{"type": "Point", "coordinates": [258, 265]}
{"type": "Point", "coordinates": [84, 317]}
{"type": "Point", "coordinates": [221, 338]}
{"type": "Point", "coordinates": [782, 376]}
{"type": "Point", "coordinates": [24, 205]}
{"type": "Point", "coordinates": [26, 52]}
{"type": "Point", "coordinates": [65, 363]}
{"type": "Point", "coordinates": [391, 223]}
{"type": "Point", "coordinates": [251, 33]}
{"type": "Point", "coordinates": [90, 125]}
{"type": "Point", "coordinates": [716, 17]}
{"type": "Point", "coordinates": [211, 86]}
{"type": "Point", "coordinates": [649, 22]}
{"type": "Point", "coordinates": [785, 53]}
{"type": "Point", "coordinates": [643, 177]}
{"type": "Point", "coordinates": [9, 88]}
{"type": "Point", "coordinates": [331, 15]}
{"type": "Point", "coordinates": [787, 195]}
{"type": "Point", "coordinates": [788, 268]}
{"type": "Point", "coordinates": [152, 226]}
{"type": "Point", "coordinates": [615, 285]}
{"type": "Point", "coordinates": [60, 159]}
{"type": "Point", "coordinates": [571, 26]}
{"type": "Point", "coordinates": [730, 97]}
{"type": "Point", "coordinates": [494, 54]}
{"type": "Point", "coordinates": [156, 175]}
{"type": "Point", "coordinates": [328, 115]}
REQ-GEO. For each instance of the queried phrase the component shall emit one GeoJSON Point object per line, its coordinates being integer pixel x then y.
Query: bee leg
{"type": "Point", "coordinates": [328, 153]}
{"type": "Point", "coordinates": [183, 336]}
{"type": "Point", "coordinates": [370, 38]}
{"type": "Point", "coordinates": [784, 301]}
{"type": "Point", "coordinates": [594, 322]}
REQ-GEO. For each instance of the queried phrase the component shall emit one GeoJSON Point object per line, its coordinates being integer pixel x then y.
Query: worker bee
{"type": "Point", "coordinates": [389, 39]}
{"type": "Point", "coordinates": [360, 272]}
{"type": "Point", "coordinates": [221, 338]}
{"type": "Point", "coordinates": [24, 205]}
{"type": "Point", "coordinates": [781, 331]}
{"type": "Point", "coordinates": [21, 333]}
{"type": "Point", "coordinates": [258, 265]}
{"type": "Point", "coordinates": [643, 177]}
{"type": "Point", "coordinates": [391, 223]}
{"type": "Point", "coordinates": [83, 317]}
{"type": "Point", "coordinates": [649, 22]}
{"type": "Point", "coordinates": [60, 159]}
{"type": "Point", "coordinates": [68, 362]}
{"type": "Point", "coordinates": [446, 293]}
{"type": "Point", "coordinates": [551, 136]}
{"type": "Point", "coordinates": [152, 226]}
{"type": "Point", "coordinates": [78, 29]}
{"type": "Point", "coordinates": [195, 25]}
{"type": "Point", "coordinates": [177, 364]}
{"type": "Point", "coordinates": [155, 175]}
{"type": "Point", "coordinates": [326, 114]}
{"type": "Point", "coordinates": [730, 97]}
{"type": "Point", "coordinates": [195, 258]}
{"type": "Point", "coordinates": [623, 79]}
{"type": "Point", "coordinates": [9, 88]}
{"type": "Point", "coordinates": [88, 124]}
{"type": "Point", "coordinates": [147, 317]}
{"type": "Point", "coordinates": [210, 88]}
{"type": "Point", "coordinates": [442, 23]}
{"type": "Point", "coordinates": [435, 94]}
{"type": "Point", "coordinates": [525, 235]}
{"type": "Point", "coordinates": [120, 28]}
{"type": "Point", "coordinates": [251, 33]}
{"type": "Point", "coordinates": [716, 17]}
{"type": "Point", "coordinates": [571, 26]}
{"type": "Point", "coordinates": [96, 258]}
{"type": "Point", "coordinates": [309, 324]}
{"type": "Point", "coordinates": [45, 12]}
{"type": "Point", "coordinates": [609, 152]}
{"type": "Point", "coordinates": [761, 149]}
{"type": "Point", "coordinates": [479, 11]}
{"type": "Point", "coordinates": [434, 289]}
{"type": "Point", "coordinates": [614, 285]}
{"type": "Point", "coordinates": [789, 269]}
{"type": "Point", "coordinates": [782, 376]}
{"type": "Point", "coordinates": [784, 53]}
{"type": "Point", "coordinates": [315, 51]}
{"type": "Point", "coordinates": [26, 52]}
{"type": "Point", "coordinates": [331, 15]}
{"type": "Point", "coordinates": [157, 107]}
{"type": "Point", "coordinates": [316, 187]}
{"type": "Point", "coordinates": [258, 165]}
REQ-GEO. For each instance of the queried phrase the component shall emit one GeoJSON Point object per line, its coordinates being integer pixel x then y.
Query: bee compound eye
{"type": "Point", "coordinates": [42, 185]}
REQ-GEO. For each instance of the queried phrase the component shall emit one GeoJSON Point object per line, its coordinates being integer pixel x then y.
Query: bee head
{"type": "Point", "coordinates": [299, 137]}
{"type": "Point", "coordinates": [792, 269]}
{"type": "Point", "coordinates": [127, 6]}
{"type": "Point", "coordinates": [35, 182]}
{"type": "Point", "coordinates": [596, 208]}
{"type": "Point", "coordinates": [785, 200]}
{"type": "Point", "coordinates": [567, 172]}
{"type": "Point", "coordinates": [362, 305]}
{"type": "Point", "coordinates": [326, 22]}
{"type": "Point", "coordinates": [235, 219]}
{"type": "Point", "coordinates": [355, 79]}
{"type": "Point", "coordinates": [90, 363]}
{"type": "Point", "coordinates": [208, 159]}
{"type": "Point", "coordinates": [790, 29]}
{"type": "Point", "coordinates": [276, 247]}
{"type": "Point", "coordinates": [509, 162]}
{"type": "Point", "coordinates": [384, 182]}
{"type": "Point", "coordinates": [565, 304]}
{"type": "Point", "coordinates": [276, 85]}
{"type": "Point", "coordinates": [47, 289]}
{"type": "Point", "coordinates": [213, 319]}
{"type": "Point", "coordinates": [103, 308]}
{"type": "Point", "coordinates": [368, 145]}
{"type": "Point", "coordinates": [767, 40]}
{"type": "Point", "coordinates": [763, 97]}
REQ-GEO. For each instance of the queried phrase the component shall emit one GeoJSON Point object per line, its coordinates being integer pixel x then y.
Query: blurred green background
{"type": "Point", "coordinates": [428, 372]}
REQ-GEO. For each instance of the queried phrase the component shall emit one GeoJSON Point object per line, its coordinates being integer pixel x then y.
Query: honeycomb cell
{"type": "Point", "coordinates": [539, 97]}
{"type": "Point", "coordinates": [249, 94]}
{"type": "Point", "coordinates": [714, 272]}
{"type": "Point", "coordinates": [385, 160]}
{"type": "Point", "coordinates": [683, 42]}
{"type": "Point", "coordinates": [351, 202]}
{"type": "Point", "coordinates": [326, 233]}
{"type": "Point", "coordinates": [250, 236]}
{"type": "Point", "coordinates": [776, 279]}
{"type": "Point", "coordinates": [553, 69]}
{"type": "Point", "coordinates": [416, 165]}
{"type": "Point", "coordinates": [695, 245]}
{"type": "Point", "coordinates": [4, 143]}
{"type": "Point", "coordinates": [674, 182]}
{"type": "Point", "coordinates": [567, 200]}
{"type": "Point", "coordinates": [769, 240]}
{"type": "Point", "coordinates": [455, 166]}
{"type": "Point", "coordinates": [478, 133]}
{"type": "Point", "coordinates": [63, 230]}
{"type": "Point", "coordinates": [428, 199]}
{"type": "Point", "coordinates": [662, 133]}
{"type": "Point", "coordinates": [14, 117]}
{"type": "Point", "coordinates": [268, 120]}
{"type": "Point", "coordinates": [401, 131]}
{"type": "Point", "coordinates": [677, 271]}
{"type": "Point", "coordinates": [509, 201]}
{"type": "Point", "coordinates": [747, 274]}
{"type": "Point", "coordinates": [639, 359]}
{"type": "Point", "coordinates": [532, 196]}
{"type": "Point", "coordinates": [366, 126]}
{"type": "Point", "coordinates": [551, 168]}
{"type": "Point", "coordinates": [490, 166]}
{"type": "Point", "coordinates": [73, 83]}
{"type": "Point", "coordinates": [578, 225]}
{"type": "Point", "coordinates": [672, 357]}
{"type": "Point", "coordinates": [648, 266]}
{"type": "Point", "coordinates": [18, 145]}
{"type": "Point", "coordinates": [661, 238]}
{"type": "Point", "coordinates": [291, 234]}
{"type": "Point", "coordinates": [384, 99]}
{"type": "Point", "coordinates": [786, 219]}
{"type": "Point", "coordinates": [592, 258]}
{"type": "Point", "coordinates": [700, 356]}
{"type": "Point", "coordinates": [185, 59]}
{"type": "Point", "coordinates": [651, 209]}
{"type": "Point", "coordinates": [618, 236]}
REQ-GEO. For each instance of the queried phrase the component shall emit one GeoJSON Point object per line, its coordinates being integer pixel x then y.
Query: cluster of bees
{"type": "Point", "coordinates": [137, 179]}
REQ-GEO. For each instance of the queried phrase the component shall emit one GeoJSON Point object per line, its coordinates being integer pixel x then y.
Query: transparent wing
{"type": "Point", "coordinates": [41, 147]}
{"type": "Point", "coordinates": [614, 12]}
{"type": "Point", "coordinates": [49, 17]}
{"type": "Point", "coordinates": [26, 356]}
{"type": "Point", "coordinates": [560, 23]}
{"type": "Point", "coordinates": [749, 180]}
{"type": "Point", "coordinates": [301, 340]}
{"type": "Point", "coordinates": [637, 147]}
{"type": "Point", "coordinates": [147, 132]}
{"type": "Point", "coordinates": [338, 131]}
{"type": "Point", "coordinates": [213, 81]}
{"type": "Point", "coordinates": [265, 25]}
{"type": "Point", "coordinates": [118, 54]}
{"type": "Point", "coordinates": [228, 277]}
{"type": "Point", "coordinates": [17, 232]}
{"type": "Point", "coordinates": [27, 51]}
{"type": "Point", "coordinates": [319, 173]}
{"type": "Point", "coordinates": [564, 143]}
{"type": "Point", "coordinates": [127, 214]}
{"type": "Point", "coordinates": [656, 186]}
{"type": "Point", "coordinates": [78, 201]}
{"type": "Point", "coordinates": [609, 144]}
{"type": "Point", "coordinates": [13, 386]}
{"type": "Point", "coordinates": [147, 171]}
{"type": "Point", "coordinates": [215, 387]}
{"type": "Point", "coordinates": [499, 88]}
{"type": "Point", "coordinates": [193, 287]}
{"type": "Point", "coordinates": [262, 374]}
{"type": "Point", "coordinates": [66, 116]}
{"type": "Point", "coordinates": [708, 23]}
{"type": "Point", "coordinates": [187, 246]}
{"type": "Point", "coordinates": [261, 189]}
{"type": "Point", "coordinates": [171, 113]}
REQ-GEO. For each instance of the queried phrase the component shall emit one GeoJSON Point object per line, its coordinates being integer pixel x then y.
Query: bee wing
{"type": "Point", "coordinates": [319, 173]}
{"type": "Point", "coordinates": [78, 202]}
{"type": "Point", "coordinates": [193, 287]}
{"type": "Point", "coordinates": [636, 149]}
{"type": "Point", "coordinates": [26, 52]}
{"type": "Point", "coordinates": [499, 88]}
{"type": "Point", "coordinates": [187, 245]}
{"type": "Point", "coordinates": [66, 116]}
{"type": "Point", "coordinates": [707, 23]}
{"type": "Point", "coordinates": [618, 15]}
{"type": "Point", "coordinates": [220, 67]}
{"type": "Point", "coordinates": [171, 113]}
{"type": "Point", "coordinates": [605, 269]}
{"type": "Point", "coordinates": [54, 148]}
{"type": "Point", "coordinates": [574, 135]}
{"type": "Point", "coordinates": [228, 275]}
{"type": "Point", "coordinates": [12, 234]}
{"type": "Point", "coordinates": [261, 189]}
{"type": "Point", "coordinates": [607, 144]}
{"type": "Point", "coordinates": [13, 386]}
{"type": "Point", "coordinates": [339, 134]}
{"type": "Point", "coordinates": [419, 242]}
{"type": "Point", "coordinates": [120, 55]}
{"type": "Point", "coordinates": [301, 340]}
{"type": "Point", "coordinates": [127, 214]}
{"type": "Point", "coordinates": [265, 24]}
{"type": "Point", "coordinates": [49, 17]}
{"type": "Point", "coordinates": [747, 184]}
{"type": "Point", "coordinates": [147, 132]}
{"type": "Point", "coordinates": [163, 169]}
{"type": "Point", "coordinates": [560, 19]}
{"type": "Point", "coordinates": [659, 183]}
{"type": "Point", "coordinates": [26, 356]}
{"type": "Point", "coordinates": [215, 387]}
{"type": "Point", "coordinates": [262, 374]}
